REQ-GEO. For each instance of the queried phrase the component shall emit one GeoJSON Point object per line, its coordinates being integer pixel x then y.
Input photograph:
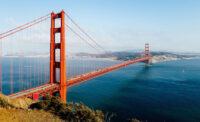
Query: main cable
{"type": "Point", "coordinates": [81, 37]}
{"type": "Point", "coordinates": [82, 30]}
{"type": "Point", "coordinates": [25, 24]}
{"type": "Point", "coordinates": [24, 28]}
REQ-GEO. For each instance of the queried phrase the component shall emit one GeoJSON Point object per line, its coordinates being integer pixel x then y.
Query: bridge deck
{"type": "Point", "coordinates": [38, 89]}
{"type": "Point", "coordinates": [50, 88]}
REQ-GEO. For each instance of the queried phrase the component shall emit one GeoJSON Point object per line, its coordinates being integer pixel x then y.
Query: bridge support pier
{"type": "Point", "coordinates": [35, 96]}
{"type": "Point", "coordinates": [63, 93]}
{"type": "Point", "coordinates": [147, 62]}
{"type": "Point", "coordinates": [61, 46]}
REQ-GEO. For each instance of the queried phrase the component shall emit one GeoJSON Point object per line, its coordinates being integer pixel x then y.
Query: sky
{"type": "Point", "coordinates": [117, 25]}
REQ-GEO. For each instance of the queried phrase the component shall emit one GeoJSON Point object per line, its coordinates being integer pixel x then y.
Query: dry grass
{"type": "Point", "coordinates": [22, 103]}
{"type": "Point", "coordinates": [50, 109]}
{"type": "Point", "coordinates": [15, 110]}
{"type": "Point", "coordinates": [20, 115]}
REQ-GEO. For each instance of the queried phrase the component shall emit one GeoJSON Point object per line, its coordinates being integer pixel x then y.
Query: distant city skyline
{"type": "Point", "coordinates": [117, 25]}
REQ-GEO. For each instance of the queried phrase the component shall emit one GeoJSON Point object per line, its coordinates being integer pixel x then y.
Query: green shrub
{"type": "Point", "coordinates": [69, 111]}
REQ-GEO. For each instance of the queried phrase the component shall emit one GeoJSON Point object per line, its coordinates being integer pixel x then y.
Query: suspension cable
{"type": "Point", "coordinates": [24, 24]}
{"type": "Point", "coordinates": [81, 37]}
{"type": "Point", "coordinates": [24, 28]}
{"type": "Point", "coordinates": [81, 29]}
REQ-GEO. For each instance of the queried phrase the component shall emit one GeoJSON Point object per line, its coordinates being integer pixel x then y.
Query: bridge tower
{"type": "Point", "coordinates": [60, 65]}
{"type": "Point", "coordinates": [146, 52]}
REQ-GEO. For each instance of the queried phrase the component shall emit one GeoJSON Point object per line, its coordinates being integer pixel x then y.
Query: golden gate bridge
{"type": "Point", "coordinates": [21, 58]}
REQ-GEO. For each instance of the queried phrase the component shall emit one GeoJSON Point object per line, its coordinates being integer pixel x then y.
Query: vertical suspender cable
{"type": "Point", "coordinates": [22, 76]}
{"type": "Point", "coordinates": [38, 73]}
{"type": "Point", "coordinates": [27, 73]}
{"type": "Point", "coordinates": [11, 67]}
{"type": "Point", "coordinates": [1, 65]}
{"type": "Point", "coordinates": [34, 70]}
{"type": "Point", "coordinates": [30, 72]}
{"type": "Point", "coordinates": [19, 74]}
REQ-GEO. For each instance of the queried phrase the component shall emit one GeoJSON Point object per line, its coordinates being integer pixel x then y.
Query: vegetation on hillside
{"type": "Point", "coordinates": [15, 110]}
{"type": "Point", "coordinates": [50, 109]}
{"type": "Point", "coordinates": [69, 111]}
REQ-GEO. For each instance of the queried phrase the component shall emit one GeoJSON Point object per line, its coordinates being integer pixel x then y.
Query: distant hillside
{"type": "Point", "coordinates": [158, 56]}
{"type": "Point", "coordinates": [125, 56]}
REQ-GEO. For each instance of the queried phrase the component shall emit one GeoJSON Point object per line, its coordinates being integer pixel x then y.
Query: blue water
{"type": "Point", "coordinates": [32, 72]}
{"type": "Point", "coordinates": [167, 91]}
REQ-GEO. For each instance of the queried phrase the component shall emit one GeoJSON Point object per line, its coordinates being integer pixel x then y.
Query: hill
{"type": "Point", "coordinates": [16, 110]}
{"type": "Point", "coordinates": [50, 109]}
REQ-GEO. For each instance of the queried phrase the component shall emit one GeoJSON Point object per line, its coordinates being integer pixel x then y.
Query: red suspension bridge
{"type": "Point", "coordinates": [32, 66]}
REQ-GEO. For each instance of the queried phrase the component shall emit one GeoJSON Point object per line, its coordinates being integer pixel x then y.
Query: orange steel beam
{"type": "Point", "coordinates": [52, 51]}
{"type": "Point", "coordinates": [53, 46]}
{"type": "Point", "coordinates": [63, 88]}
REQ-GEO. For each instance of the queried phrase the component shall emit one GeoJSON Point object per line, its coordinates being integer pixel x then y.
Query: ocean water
{"type": "Point", "coordinates": [32, 72]}
{"type": "Point", "coordinates": [163, 92]}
